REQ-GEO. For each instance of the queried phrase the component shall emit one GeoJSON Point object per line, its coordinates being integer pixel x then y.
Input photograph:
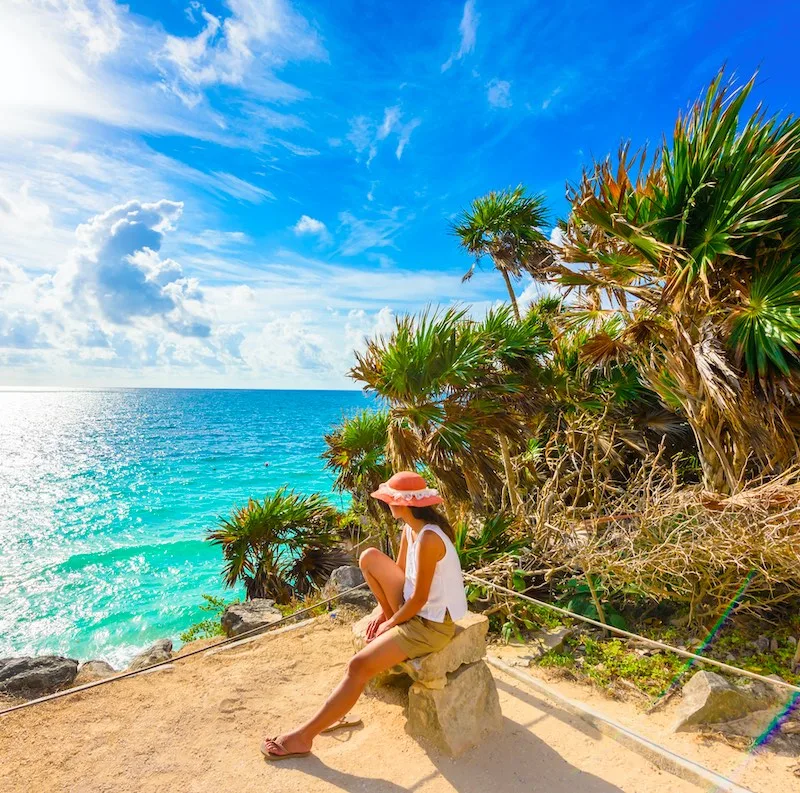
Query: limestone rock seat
{"type": "Point", "coordinates": [453, 700]}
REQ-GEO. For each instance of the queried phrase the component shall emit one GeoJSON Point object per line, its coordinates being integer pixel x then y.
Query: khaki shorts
{"type": "Point", "coordinates": [420, 636]}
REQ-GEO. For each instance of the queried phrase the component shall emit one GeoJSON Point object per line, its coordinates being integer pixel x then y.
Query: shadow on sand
{"type": "Point", "coordinates": [511, 761]}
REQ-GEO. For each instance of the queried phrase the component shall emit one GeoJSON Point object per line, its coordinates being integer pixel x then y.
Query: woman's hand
{"type": "Point", "coordinates": [373, 629]}
{"type": "Point", "coordinates": [386, 625]}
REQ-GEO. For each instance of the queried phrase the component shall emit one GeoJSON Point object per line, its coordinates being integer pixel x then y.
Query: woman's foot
{"type": "Point", "coordinates": [290, 743]}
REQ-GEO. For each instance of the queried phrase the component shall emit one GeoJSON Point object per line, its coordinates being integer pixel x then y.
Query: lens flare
{"type": "Point", "coordinates": [712, 634]}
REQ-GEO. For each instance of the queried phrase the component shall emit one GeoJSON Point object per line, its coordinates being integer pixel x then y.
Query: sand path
{"type": "Point", "coordinates": [196, 729]}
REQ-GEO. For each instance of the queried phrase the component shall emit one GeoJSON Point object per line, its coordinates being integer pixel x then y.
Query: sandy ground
{"type": "Point", "coordinates": [767, 771]}
{"type": "Point", "coordinates": [197, 728]}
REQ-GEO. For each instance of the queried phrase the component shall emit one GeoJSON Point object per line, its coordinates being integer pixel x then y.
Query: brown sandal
{"type": "Point", "coordinates": [271, 756]}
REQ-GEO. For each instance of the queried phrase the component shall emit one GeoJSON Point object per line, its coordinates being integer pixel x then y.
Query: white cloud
{"type": "Point", "coordinates": [70, 59]}
{"type": "Point", "coordinates": [468, 29]}
{"type": "Point", "coordinates": [242, 49]}
{"type": "Point", "coordinates": [99, 26]}
{"type": "Point", "coordinates": [362, 326]}
{"type": "Point", "coordinates": [234, 186]}
{"type": "Point", "coordinates": [391, 117]}
{"type": "Point", "coordinates": [77, 60]}
{"type": "Point", "coordinates": [116, 269]}
{"type": "Point", "coordinates": [215, 240]}
{"type": "Point", "coordinates": [20, 208]}
{"type": "Point", "coordinates": [312, 226]}
{"type": "Point", "coordinates": [553, 94]}
{"type": "Point", "coordinates": [499, 93]}
{"type": "Point", "coordinates": [18, 331]}
{"type": "Point", "coordinates": [288, 345]}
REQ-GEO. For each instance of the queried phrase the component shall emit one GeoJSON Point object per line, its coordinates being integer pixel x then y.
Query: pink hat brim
{"type": "Point", "coordinates": [400, 501]}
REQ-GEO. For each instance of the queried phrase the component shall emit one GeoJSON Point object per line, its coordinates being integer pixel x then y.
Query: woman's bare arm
{"type": "Point", "coordinates": [430, 549]}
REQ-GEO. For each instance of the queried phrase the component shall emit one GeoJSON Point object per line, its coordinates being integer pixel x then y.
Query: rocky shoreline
{"type": "Point", "coordinates": [30, 677]}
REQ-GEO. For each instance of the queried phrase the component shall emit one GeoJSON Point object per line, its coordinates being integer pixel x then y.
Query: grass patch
{"type": "Point", "coordinates": [609, 660]}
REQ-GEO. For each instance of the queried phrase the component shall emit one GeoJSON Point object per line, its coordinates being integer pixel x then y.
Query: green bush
{"type": "Point", "coordinates": [211, 626]}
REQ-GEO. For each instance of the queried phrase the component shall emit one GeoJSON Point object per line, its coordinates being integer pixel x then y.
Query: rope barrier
{"type": "Point", "coordinates": [266, 629]}
{"type": "Point", "coordinates": [232, 640]}
{"type": "Point", "coordinates": [652, 642]}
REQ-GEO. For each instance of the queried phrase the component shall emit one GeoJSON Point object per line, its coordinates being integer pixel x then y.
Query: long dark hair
{"type": "Point", "coordinates": [431, 515]}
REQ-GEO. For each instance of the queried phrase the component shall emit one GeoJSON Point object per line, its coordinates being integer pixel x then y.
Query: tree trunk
{"type": "Point", "coordinates": [511, 477]}
{"type": "Point", "coordinates": [601, 614]}
{"type": "Point", "coordinates": [511, 296]}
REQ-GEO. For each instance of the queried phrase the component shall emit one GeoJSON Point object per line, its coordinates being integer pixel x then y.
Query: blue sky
{"type": "Point", "coordinates": [234, 193]}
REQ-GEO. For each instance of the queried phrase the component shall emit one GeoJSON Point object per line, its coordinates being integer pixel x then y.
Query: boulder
{"type": "Point", "coordinates": [457, 716]}
{"type": "Point", "coordinates": [752, 725]}
{"type": "Point", "coordinates": [249, 616]}
{"type": "Point", "coordinates": [546, 641]}
{"type": "Point", "coordinates": [93, 670]}
{"type": "Point", "coordinates": [764, 695]}
{"type": "Point", "coordinates": [344, 578]}
{"type": "Point", "coordinates": [29, 678]}
{"type": "Point", "coordinates": [710, 699]}
{"type": "Point", "coordinates": [156, 653]}
{"type": "Point", "coordinates": [467, 646]}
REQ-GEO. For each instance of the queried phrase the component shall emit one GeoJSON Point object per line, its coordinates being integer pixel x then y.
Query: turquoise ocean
{"type": "Point", "coordinates": [106, 495]}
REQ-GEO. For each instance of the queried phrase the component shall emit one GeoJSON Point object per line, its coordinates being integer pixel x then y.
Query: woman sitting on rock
{"type": "Point", "coordinates": [419, 597]}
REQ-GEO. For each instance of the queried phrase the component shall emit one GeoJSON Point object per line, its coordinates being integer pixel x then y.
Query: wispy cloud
{"type": "Point", "coordinates": [236, 187]}
{"type": "Point", "coordinates": [553, 94]}
{"type": "Point", "coordinates": [498, 92]}
{"type": "Point", "coordinates": [468, 29]}
{"type": "Point", "coordinates": [405, 136]}
{"type": "Point", "coordinates": [215, 240]}
{"type": "Point", "coordinates": [242, 49]}
{"type": "Point", "coordinates": [391, 118]}
{"type": "Point", "coordinates": [376, 232]}
{"type": "Point", "coordinates": [365, 135]}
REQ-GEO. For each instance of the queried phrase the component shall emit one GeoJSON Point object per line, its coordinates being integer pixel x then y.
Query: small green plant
{"type": "Point", "coordinates": [606, 661]}
{"type": "Point", "coordinates": [579, 600]}
{"type": "Point", "coordinates": [554, 660]}
{"type": "Point", "coordinates": [493, 540]}
{"type": "Point", "coordinates": [211, 626]}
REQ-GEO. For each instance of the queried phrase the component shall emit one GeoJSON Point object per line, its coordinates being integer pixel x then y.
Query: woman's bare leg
{"type": "Point", "coordinates": [385, 579]}
{"type": "Point", "coordinates": [378, 656]}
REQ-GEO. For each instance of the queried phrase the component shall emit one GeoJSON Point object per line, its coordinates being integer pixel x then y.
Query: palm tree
{"type": "Point", "coordinates": [505, 226]}
{"type": "Point", "coordinates": [456, 390]}
{"type": "Point", "coordinates": [698, 256]}
{"type": "Point", "coordinates": [356, 452]}
{"type": "Point", "coordinates": [282, 546]}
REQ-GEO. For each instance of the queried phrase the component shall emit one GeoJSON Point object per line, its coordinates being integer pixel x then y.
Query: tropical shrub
{"type": "Point", "coordinates": [281, 547]}
{"type": "Point", "coordinates": [696, 257]}
{"type": "Point", "coordinates": [456, 390]}
{"type": "Point", "coordinates": [356, 452]}
{"type": "Point", "coordinates": [210, 626]}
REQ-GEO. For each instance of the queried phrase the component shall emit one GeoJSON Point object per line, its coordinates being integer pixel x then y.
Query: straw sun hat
{"type": "Point", "coordinates": [407, 489]}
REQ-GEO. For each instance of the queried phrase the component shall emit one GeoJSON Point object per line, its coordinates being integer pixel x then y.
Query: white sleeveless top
{"type": "Point", "coordinates": [447, 586]}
